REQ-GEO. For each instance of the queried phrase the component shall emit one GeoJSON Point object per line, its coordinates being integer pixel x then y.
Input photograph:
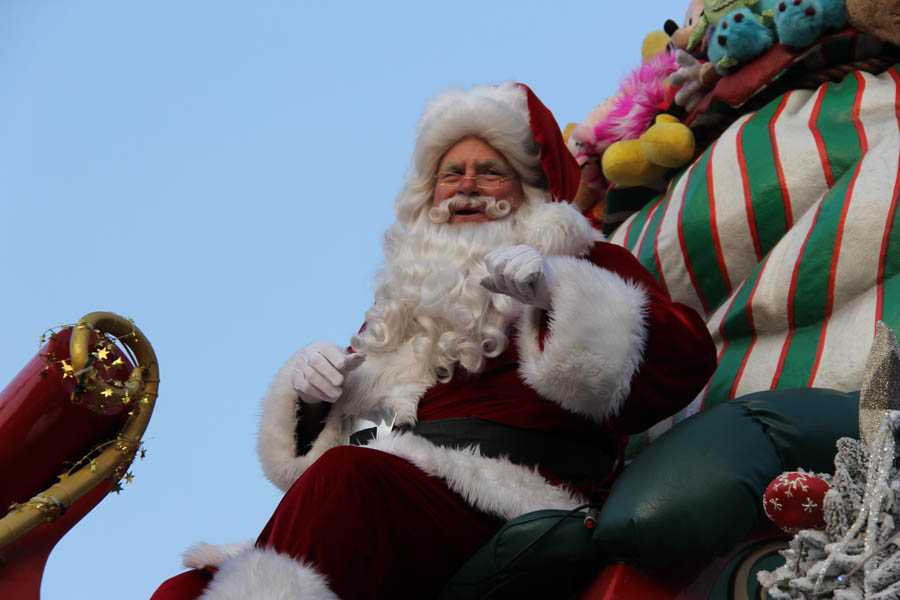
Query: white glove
{"type": "Point", "coordinates": [521, 273]}
{"type": "Point", "coordinates": [321, 370]}
{"type": "Point", "coordinates": [688, 74]}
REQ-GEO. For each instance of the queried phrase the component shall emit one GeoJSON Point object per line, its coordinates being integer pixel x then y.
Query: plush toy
{"type": "Point", "coordinates": [799, 23]}
{"type": "Point", "coordinates": [739, 37]}
{"type": "Point", "coordinates": [740, 30]}
{"type": "Point", "coordinates": [665, 145]}
{"type": "Point", "coordinates": [880, 18]}
{"type": "Point", "coordinates": [668, 142]}
{"type": "Point", "coordinates": [625, 115]}
{"type": "Point", "coordinates": [583, 146]}
{"type": "Point", "coordinates": [681, 35]}
{"type": "Point", "coordinates": [655, 42]}
{"type": "Point", "coordinates": [715, 10]}
{"type": "Point", "coordinates": [613, 142]}
{"type": "Point", "coordinates": [643, 154]}
{"type": "Point", "coordinates": [694, 78]}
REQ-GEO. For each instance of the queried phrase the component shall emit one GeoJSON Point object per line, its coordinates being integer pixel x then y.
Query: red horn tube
{"type": "Point", "coordinates": [44, 431]}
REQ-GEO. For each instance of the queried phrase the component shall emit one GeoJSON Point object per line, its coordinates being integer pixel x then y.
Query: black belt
{"type": "Point", "coordinates": [574, 456]}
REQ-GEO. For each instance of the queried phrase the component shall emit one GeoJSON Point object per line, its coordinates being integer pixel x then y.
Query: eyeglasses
{"type": "Point", "coordinates": [485, 181]}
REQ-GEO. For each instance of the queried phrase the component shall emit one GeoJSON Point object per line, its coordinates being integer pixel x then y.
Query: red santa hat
{"type": "Point", "coordinates": [511, 119]}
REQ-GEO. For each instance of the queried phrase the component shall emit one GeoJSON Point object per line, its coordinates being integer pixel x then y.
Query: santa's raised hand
{"type": "Point", "coordinates": [521, 273]}
{"type": "Point", "coordinates": [321, 370]}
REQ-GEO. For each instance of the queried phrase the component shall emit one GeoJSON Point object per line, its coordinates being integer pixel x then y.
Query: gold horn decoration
{"type": "Point", "coordinates": [139, 392]}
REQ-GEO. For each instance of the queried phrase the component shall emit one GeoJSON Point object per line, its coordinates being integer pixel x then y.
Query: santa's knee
{"type": "Point", "coordinates": [338, 491]}
{"type": "Point", "coordinates": [339, 468]}
{"type": "Point", "coordinates": [343, 461]}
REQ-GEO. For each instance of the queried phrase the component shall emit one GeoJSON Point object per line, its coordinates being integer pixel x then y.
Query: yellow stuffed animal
{"type": "Point", "coordinates": [666, 144]}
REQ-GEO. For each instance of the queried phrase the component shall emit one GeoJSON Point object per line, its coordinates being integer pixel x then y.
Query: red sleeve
{"type": "Point", "coordinates": [679, 356]}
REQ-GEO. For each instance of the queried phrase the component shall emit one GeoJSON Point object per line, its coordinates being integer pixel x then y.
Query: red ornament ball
{"type": "Point", "coordinates": [793, 501]}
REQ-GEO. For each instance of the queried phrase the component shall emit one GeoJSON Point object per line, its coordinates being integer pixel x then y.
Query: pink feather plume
{"type": "Point", "coordinates": [637, 102]}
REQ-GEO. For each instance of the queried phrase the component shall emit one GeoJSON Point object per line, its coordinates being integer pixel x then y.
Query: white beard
{"type": "Point", "coordinates": [429, 295]}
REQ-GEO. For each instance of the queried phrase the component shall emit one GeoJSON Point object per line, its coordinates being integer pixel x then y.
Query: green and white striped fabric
{"type": "Point", "coordinates": [783, 234]}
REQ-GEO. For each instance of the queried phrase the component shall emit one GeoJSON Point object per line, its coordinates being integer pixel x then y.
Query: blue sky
{"type": "Point", "coordinates": [222, 172]}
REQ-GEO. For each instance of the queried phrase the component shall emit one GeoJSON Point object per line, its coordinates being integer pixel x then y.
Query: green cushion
{"type": "Point", "coordinates": [697, 490]}
{"type": "Point", "coordinates": [694, 492]}
{"type": "Point", "coordinates": [554, 567]}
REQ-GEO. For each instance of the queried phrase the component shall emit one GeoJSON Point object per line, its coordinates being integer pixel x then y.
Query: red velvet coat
{"type": "Point", "coordinates": [611, 357]}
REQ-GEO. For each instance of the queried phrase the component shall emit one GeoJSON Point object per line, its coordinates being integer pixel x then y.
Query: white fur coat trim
{"type": "Point", "coordinates": [558, 229]}
{"type": "Point", "coordinates": [493, 485]}
{"type": "Point", "coordinates": [263, 574]}
{"type": "Point", "coordinates": [277, 442]}
{"type": "Point", "coordinates": [595, 341]}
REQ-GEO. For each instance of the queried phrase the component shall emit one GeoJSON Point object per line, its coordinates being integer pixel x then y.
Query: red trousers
{"type": "Point", "coordinates": [374, 524]}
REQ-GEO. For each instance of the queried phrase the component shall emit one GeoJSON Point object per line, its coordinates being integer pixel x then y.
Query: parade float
{"type": "Point", "coordinates": [751, 163]}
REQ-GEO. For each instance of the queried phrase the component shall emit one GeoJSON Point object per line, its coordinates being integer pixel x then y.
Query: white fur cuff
{"type": "Point", "coordinates": [262, 574]}
{"type": "Point", "coordinates": [277, 441]}
{"type": "Point", "coordinates": [595, 342]}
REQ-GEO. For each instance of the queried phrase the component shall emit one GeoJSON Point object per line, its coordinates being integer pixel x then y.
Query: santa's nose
{"type": "Point", "coordinates": [468, 186]}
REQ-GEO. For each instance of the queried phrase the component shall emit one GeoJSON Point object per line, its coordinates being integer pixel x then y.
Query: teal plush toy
{"type": "Point", "coordinates": [739, 37]}
{"type": "Point", "coordinates": [799, 23]}
{"type": "Point", "coordinates": [741, 34]}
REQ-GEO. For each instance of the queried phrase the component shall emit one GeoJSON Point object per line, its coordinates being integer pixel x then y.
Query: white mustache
{"type": "Point", "coordinates": [490, 206]}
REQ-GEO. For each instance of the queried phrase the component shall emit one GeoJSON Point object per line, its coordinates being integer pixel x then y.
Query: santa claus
{"type": "Point", "coordinates": [507, 355]}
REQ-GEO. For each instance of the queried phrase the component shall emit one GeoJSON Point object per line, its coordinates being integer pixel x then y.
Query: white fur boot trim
{"type": "Point", "coordinates": [263, 574]}
{"type": "Point", "coordinates": [211, 555]}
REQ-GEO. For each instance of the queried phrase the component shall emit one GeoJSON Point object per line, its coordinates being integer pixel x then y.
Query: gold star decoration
{"type": "Point", "coordinates": [102, 354]}
{"type": "Point", "coordinates": [93, 466]}
{"type": "Point", "coordinates": [117, 362]}
{"type": "Point", "coordinates": [128, 477]}
{"type": "Point", "coordinates": [67, 370]}
{"type": "Point", "coordinates": [116, 487]}
{"type": "Point", "coordinates": [106, 393]}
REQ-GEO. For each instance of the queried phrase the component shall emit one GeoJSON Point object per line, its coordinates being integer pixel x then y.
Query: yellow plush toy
{"type": "Point", "coordinates": [619, 143]}
{"type": "Point", "coordinates": [665, 145]}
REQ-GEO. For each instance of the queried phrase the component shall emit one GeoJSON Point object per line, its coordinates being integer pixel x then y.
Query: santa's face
{"type": "Point", "coordinates": [473, 169]}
